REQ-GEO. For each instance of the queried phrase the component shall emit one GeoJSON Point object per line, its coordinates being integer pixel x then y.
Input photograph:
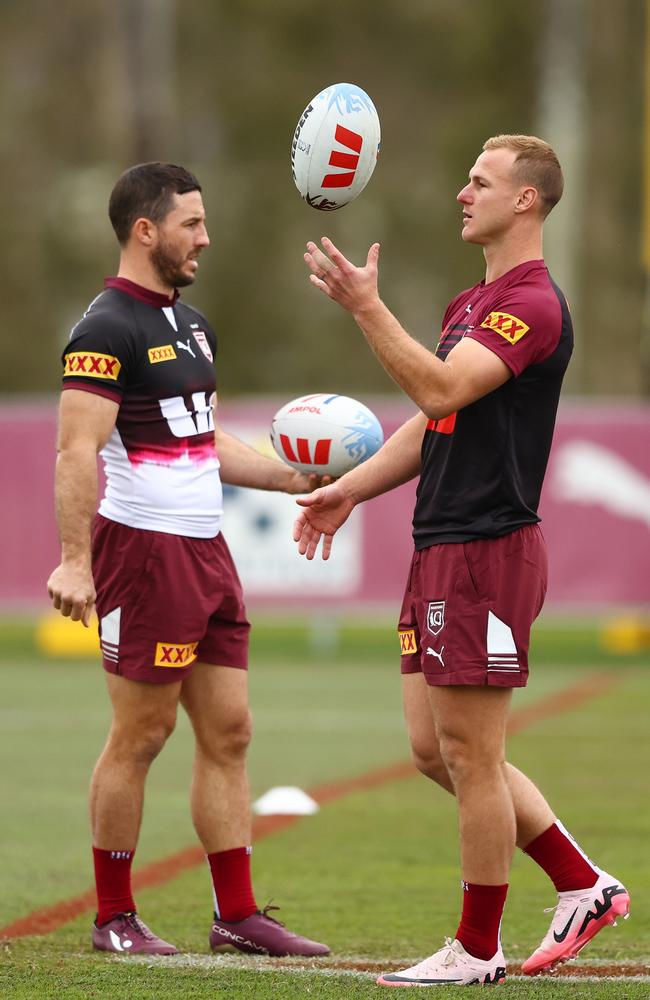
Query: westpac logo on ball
{"type": "Point", "coordinates": [325, 433]}
{"type": "Point", "coordinates": [335, 146]}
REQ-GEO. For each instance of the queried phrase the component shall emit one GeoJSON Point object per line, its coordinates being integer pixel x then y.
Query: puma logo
{"type": "Point", "coordinates": [186, 347]}
{"type": "Point", "coordinates": [432, 652]}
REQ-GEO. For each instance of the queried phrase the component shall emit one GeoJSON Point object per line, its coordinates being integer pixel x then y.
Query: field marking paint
{"type": "Point", "coordinates": [595, 972]}
{"type": "Point", "coordinates": [51, 918]}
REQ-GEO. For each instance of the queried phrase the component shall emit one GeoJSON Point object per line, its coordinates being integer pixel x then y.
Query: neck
{"type": "Point", "coordinates": [142, 273]}
{"type": "Point", "coordinates": [501, 257]}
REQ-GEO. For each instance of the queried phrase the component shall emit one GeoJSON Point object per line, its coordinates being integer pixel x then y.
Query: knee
{"type": "Point", "coordinates": [429, 762]}
{"type": "Point", "coordinates": [230, 741]}
{"type": "Point", "coordinates": [143, 743]}
{"type": "Point", "coordinates": [466, 758]}
{"type": "Point", "coordinates": [427, 758]}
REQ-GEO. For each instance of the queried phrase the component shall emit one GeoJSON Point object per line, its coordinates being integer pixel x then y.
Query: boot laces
{"type": "Point", "coordinates": [265, 913]}
{"type": "Point", "coordinates": [445, 957]}
{"type": "Point", "coordinates": [133, 920]}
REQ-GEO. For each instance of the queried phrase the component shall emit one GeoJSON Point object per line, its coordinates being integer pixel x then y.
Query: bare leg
{"type": "Point", "coordinates": [532, 813]}
{"type": "Point", "coordinates": [143, 717]}
{"type": "Point", "coordinates": [471, 724]}
{"type": "Point", "coordinates": [216, 700]}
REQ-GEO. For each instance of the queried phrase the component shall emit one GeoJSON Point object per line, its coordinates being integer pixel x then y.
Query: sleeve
{"type": "Point", "coordinates": [99, 357]}
{"type": "Point", "coordinates": [523, 327]}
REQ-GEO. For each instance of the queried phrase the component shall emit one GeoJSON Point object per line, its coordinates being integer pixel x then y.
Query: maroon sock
{"type": "Point", "coordinates": [557, 853]}
{"type": "Point", "coordinates": [113, 882]}
{"type": "Point", "coordinates": [478, 930]}
{"type": "Point", "coordinates": [231, 878]}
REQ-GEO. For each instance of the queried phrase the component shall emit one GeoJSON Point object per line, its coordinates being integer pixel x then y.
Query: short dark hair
{"type": "Point", "coordinates": [146, 190]}
{"type": "Point", "coordinates": [536, 163]}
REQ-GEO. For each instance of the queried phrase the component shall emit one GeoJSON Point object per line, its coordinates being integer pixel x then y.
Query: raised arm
{"type": "Point", "coordinates": [438, 388]}
{"type": "Point", "coordinates": [329, 507]}
{"type": "Point", "coordinates": [86, 421]}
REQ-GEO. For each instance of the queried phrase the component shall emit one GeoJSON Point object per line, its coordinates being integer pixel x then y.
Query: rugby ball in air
{"type": "Point", "coordinates": [325, 434]}
{"type": "Point", "coordinates": [335, 146]}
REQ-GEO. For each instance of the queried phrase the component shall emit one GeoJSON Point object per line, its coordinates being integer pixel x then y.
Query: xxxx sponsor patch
{"type": "Point", "coordinates": [171, 654]}
{"type": "Point", "coordinates": [165, 353]}
{"type": "Point", "coordinates": [407, 641]}
{"type": "Point", "coordinates": [91, 365]}
{"type": "Point", "coordinates": [510, 327]}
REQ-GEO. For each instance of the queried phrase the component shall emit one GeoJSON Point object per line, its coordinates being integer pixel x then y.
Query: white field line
{"type": "Point", "coordinates": [346, 966]}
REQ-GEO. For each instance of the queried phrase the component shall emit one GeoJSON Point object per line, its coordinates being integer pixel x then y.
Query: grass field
{"type": "Point", "coordinates": [374, 873]}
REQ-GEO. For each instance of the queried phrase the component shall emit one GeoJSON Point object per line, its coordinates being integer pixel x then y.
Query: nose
{"type": "Point", "coordinates": [463, 196]}
{"type": "Point", "coordinates": [203, 240]}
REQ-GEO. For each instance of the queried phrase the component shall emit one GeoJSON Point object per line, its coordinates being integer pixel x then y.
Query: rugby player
{"type": "Point", "coordinates": [140, 388]}
{"type": "Point", "coordinates": [487, 398]}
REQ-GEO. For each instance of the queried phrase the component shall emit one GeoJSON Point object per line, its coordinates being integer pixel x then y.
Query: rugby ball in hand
{"type": "Point", "coordinates": [325, 434]}
{"type": "Point", "coordinates": [335, 146]}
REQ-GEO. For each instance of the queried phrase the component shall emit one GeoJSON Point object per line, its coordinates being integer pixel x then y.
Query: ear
{"type": "Point", "coordinates": [526, 198]}
{"type": "Point", "coordinates": [143, 231]}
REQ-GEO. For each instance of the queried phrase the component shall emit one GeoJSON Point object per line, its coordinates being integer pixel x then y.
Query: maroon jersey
{"type": "Point", "coordinates": [154, 356]}
{"type": "Point", "coordinates": [483, 467]}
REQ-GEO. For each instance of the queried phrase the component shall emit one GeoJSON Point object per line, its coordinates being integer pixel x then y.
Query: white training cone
{"type": "Point", "coordinates": [285, 800]}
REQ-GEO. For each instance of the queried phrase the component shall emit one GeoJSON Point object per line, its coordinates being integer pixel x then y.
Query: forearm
{"type": "Point", "coordinates": [396, 462]}
{"type": "Point", "coordinates": [422, 376]}
{"type": "Point", "coordinates": [241, 465]}
{"type": "Point", "coordinates": [76, 500]}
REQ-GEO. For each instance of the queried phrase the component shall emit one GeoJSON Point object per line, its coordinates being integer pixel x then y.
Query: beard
{"type": "Point", "coordinates": [169, 266]}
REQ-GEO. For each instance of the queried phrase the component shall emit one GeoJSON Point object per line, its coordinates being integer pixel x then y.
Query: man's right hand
{"type": "Point", "coordinates": [72, 591]}
{"type": "Point", "coordinates": [326, 509]}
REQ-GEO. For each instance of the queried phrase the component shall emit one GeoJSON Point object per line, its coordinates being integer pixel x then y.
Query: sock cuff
{"type": "Point", "coordinates": [233, 852]}
{"type": "Point", "coordinates": [101, 852]}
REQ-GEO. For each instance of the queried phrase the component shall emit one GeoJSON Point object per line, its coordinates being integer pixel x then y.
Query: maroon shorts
{"type": "Point", "coordinates": [164, 601]}
{"type": "Point", "coordinates": [469, 606]}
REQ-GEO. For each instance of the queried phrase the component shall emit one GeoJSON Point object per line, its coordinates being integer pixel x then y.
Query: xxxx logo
{"type": "Point", "coordinates": [302, 451]}
{"type": "Point", "coordinates": [93, 365]}
{"type": "Point", "coordinates": [408, 642]}
{"type": "Point", "coordinates": [169, 654]}
{"type": "Point", "coordinates": [166, 353]}
{"type": "Point", "coordinates": [350, 161]}
{"type": "Point", "coordinates": [509, 327]}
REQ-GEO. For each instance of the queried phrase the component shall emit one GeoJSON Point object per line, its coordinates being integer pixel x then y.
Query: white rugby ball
{"type": "Point", "coordinates": [335, 146]}
{"type": "Point", "coordinates": [325, 433]}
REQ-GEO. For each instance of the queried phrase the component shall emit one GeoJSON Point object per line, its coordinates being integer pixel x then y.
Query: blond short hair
{"type": "Point", "coordinates": [536, 163]}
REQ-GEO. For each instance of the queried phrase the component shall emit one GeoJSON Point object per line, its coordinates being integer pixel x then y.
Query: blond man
{"type": "Point", "coordinates": [488, 398]}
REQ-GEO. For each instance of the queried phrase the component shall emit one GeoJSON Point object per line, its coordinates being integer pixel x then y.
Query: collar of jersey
{"type": "Point", "coordinates": [141, 293]}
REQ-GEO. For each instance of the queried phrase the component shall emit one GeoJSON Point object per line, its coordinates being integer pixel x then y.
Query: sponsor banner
{"type": "Point", "coordinates": [407, 641]}
{"type": "Point", "coordinates": [172, 654]}
{"type": "Point", "coordinates": [91, 365]}
{"type": "Point", "coordinates": [509, 327]}
{"type": "Point", "coordinates": [595, 512]}
{"type": "Point", "coordinates": [164, 353]}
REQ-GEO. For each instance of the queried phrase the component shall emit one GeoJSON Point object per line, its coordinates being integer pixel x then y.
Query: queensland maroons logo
{"type": "Point", "coordinates": [436, 617]}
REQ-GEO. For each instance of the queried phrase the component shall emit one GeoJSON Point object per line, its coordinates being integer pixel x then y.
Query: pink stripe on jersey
{"type": "Point", "coordinates": [168, 454]}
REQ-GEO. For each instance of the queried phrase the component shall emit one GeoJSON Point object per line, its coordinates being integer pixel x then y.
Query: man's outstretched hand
{"type": "Point", "coordinates": [354, 288]}
{"type": "Point", "coordinates": [325, 510]}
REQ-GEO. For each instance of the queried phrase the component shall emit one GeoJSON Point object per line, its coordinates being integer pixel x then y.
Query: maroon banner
{"type": "Point", "coordinates": [595, 509]}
